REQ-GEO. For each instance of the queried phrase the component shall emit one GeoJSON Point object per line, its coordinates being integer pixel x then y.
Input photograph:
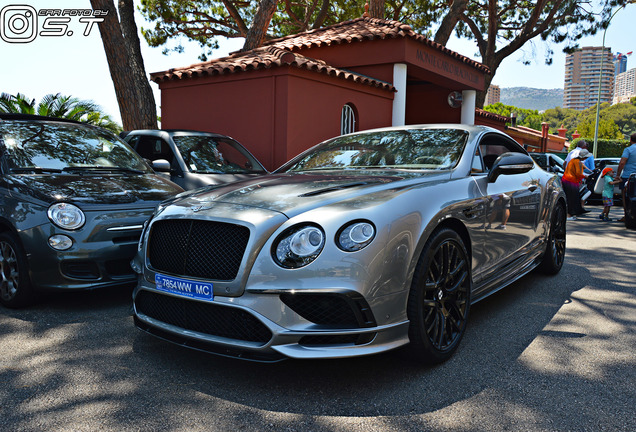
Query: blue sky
{"type": "Point", "coordinates": [76, 64]}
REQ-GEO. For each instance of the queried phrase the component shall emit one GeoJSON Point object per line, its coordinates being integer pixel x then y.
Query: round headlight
{"type": "Point", "coordinates": [298, 246]}
{"type": "Point", "coordinates": [356, 236]}
{"type": "Point", "coordinates": [60, 242]}
{"type": "Point", "coordinates": [66, 216]}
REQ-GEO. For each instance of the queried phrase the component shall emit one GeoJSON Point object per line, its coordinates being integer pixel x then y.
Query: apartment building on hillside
{"type": "Point", "coordinates": [493, 95]}
{"type": "Point", "coordinates": [625, 87]}
{"type": "Point", "coordinates": [582, 73]}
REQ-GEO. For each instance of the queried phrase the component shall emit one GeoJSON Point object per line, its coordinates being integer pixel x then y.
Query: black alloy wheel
{"type": "Point", "coordinates": [439, 299]}
{"type": "Point", "coordinates": [15, 287]}
{"type": "Point", "coordinates": [555, 250]}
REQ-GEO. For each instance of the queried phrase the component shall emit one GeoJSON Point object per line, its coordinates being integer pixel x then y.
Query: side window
{"type": "Point", "coordinates": [348, 119]}
{"type": "Point", "coordinates": [132, 141]}
{"type": "Point", "coordinates": [152, 148]}
{"type": "Point", "coordinates": [478, 164]}
{"type": "Point", "coordinates": [493, 146]}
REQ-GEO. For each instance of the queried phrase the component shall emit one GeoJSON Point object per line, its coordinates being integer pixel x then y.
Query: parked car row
{"type": "Point", "coordinates": [551, 162]}
{"type": "Point", "coordinates": [362, 244]}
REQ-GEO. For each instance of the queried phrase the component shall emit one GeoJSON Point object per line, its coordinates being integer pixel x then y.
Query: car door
{"type": "Point", "coordinates": [512, 207]}
{"type": "Point", "coordinates": [156, 149]}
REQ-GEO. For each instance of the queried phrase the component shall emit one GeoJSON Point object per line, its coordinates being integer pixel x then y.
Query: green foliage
{"type": "Point", "coordinates": [607, 129]}
{"type": "Point", "coordinates": [606, 147]}
{"type": "Point", "coordinates": [56, 105]}
{"type": "Point", "coordinates": [557, 117]}
{"type": "Point", "coordinates": [616, 122]}
{"type": "Point", "coordinates": [203, 21]}
{"type": "Point", "coordinates": [525, 117]}
{"type": "Point", "coordinates": [512, 22]}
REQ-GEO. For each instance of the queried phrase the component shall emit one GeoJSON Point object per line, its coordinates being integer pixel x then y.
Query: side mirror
{"type": "Point", "coordinates": [510, 163]}
{"type": "Point", "coordinates": [161, 165]}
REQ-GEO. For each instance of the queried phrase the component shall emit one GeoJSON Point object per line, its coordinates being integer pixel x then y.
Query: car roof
{"type": "Point", "coordinates": [19, 116]}
{"type": "Point", "coordinates": [170, 132]}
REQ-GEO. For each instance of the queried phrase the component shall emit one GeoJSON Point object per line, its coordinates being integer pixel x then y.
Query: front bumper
{"type": "Point", "coordinates": [234, 327]}
{"type": "Point", "coordinates": [100, 256]}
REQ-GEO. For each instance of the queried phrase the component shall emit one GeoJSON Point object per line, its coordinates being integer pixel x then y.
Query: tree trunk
{"type": "Point", "coordinates": [377, 9]}
{"type": "Point", "coordinates": [450, 20]}
{"type": "Point", "coordinates": [258, 29]}
{"type": "Point", "coordinates": [146, 109]}
{"type": "Point", "coordinates": [135, 111]}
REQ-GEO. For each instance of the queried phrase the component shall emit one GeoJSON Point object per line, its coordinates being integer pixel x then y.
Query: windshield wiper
{"type": "Point", "coordinates": [102, 168]}
{"type": "Point", "coordinates": [36, 170]}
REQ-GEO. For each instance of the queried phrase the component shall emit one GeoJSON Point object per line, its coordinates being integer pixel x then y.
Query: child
{"type": "Point", "coordinates": [608, 193]}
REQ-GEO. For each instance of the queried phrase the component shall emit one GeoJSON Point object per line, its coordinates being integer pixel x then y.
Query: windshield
{"type": "Point", "coordinates": [414, 149]}
{"type": "Point", "coordinates": [212, 155]}
{"type": "Point", "coordinates": [53, 146]}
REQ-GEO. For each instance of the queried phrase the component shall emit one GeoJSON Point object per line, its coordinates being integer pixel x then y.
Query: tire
{"type": "Point", "coordinates": [630, 222]}
{"type": "Point", "coordinates": [439, 298]}
{"type": "Point", "coordinates": [15, 286]}
{"type": "Point", "coordinates": [554, 255]}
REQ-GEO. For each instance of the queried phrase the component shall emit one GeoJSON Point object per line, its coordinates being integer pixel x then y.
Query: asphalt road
{"type": "Point", "coordinates": [545, 354]}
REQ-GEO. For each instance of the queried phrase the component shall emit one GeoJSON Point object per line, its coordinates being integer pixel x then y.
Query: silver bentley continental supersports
{"type": "Point", "coordinates": [364, 243]}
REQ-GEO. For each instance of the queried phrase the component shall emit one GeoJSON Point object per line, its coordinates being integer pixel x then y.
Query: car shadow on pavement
{"type": "Point", "coordinates": [539, 350]}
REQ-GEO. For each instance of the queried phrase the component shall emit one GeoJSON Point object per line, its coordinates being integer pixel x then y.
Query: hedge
{"type": "Point", "coordinates": [606, 147]}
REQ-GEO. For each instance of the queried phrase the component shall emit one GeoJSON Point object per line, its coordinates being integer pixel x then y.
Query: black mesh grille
{"type": "Point", "coordinates": [331, 309]}
{"type": "Point", "coordinates": [208, 318]}
{"type": "Point", "coordinates": [203, 249]}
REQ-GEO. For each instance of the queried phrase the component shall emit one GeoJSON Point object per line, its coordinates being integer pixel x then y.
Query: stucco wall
{"type": "Point", "coordinates": [275, 113]}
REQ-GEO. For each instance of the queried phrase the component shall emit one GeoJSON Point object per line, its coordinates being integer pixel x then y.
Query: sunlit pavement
{"type": "Point", "coordinates": [545, 354]}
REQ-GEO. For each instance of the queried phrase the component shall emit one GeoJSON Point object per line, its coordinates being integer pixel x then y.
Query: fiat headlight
{"type": "Point", "coordinates": [298, 246]}
{"type": "Point", "coordinates": [66, 216]}
{"type": "Point", "coordinates": [355, 236]}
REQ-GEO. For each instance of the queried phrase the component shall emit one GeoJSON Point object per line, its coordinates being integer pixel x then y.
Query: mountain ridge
{"type": "Point", "coordinates": [532, 98]}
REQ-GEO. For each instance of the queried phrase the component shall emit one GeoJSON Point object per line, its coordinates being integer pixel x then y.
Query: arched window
{"type": "Point", "coordinates": [348, 119]}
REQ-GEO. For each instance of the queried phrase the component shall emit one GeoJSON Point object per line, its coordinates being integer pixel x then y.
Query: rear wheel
{"type": "Point", "coordinates": [439, 299]}
{"type": "Point", "coordinates": [555, 250]}
{"type": "Point", "coordinates": [15, 286]}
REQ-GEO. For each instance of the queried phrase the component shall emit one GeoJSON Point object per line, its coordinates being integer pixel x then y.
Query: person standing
{"type": "Point", "coordinates": [626, 167]}
{"type": "Point", "coordinates": [581, 145]}
{"type": "Point", "coordinates": [571, 180]}
{"type": "Point", "coordinates": [588, 164]}
{"type": "Point", "coordinates": [608, 193]}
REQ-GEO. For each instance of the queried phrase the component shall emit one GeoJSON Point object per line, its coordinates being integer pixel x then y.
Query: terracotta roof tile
{"type": "Point", "coordinates": [264, 58]}
{"type": "Point", "coordinates": [286, 51]}
{"type": "Point", "coordinates": [363, 29]}
{"type": "Point", "coordinates": [486, 114]}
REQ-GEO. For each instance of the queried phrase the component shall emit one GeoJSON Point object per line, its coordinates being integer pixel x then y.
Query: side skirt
{"type": "Point", "coordinates": [509, 273]}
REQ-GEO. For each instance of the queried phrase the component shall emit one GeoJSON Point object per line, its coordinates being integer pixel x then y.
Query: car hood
{"type": "Point", "coordinates": [93, 189]}
{"type": "Point", "coordinates": [292, 194]}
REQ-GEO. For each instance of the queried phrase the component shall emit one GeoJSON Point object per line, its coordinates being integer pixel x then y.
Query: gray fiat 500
{"type": "Point", "coordinates": [364, 243]}
{"type": "Point", "coordinates": [74, 200]}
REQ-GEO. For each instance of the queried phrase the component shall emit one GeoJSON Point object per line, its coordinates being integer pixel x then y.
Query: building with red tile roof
{"type": "Point", "coordinates": [296, 91]}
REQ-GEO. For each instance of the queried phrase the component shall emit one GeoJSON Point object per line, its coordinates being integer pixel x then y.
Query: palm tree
{"type": "Point", "coordinates": [57, 105]}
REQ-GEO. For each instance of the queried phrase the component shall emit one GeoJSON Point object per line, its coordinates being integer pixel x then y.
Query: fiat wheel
{"type": "Point", "coordinates": [15, 287]}
{"type": "Point", "coordinates": [439, 299]}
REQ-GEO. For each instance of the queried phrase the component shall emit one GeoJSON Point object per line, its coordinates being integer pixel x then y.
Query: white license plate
{"type": "Point", "coordinates": [184, 287]}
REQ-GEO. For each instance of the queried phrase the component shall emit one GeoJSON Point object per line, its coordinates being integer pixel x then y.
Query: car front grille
{"type": "Point", "coordinates": [208, 318]}
{"type": "Point", "coordinates": [333, 310]}
{"type": "Point", "coordinates": [195, 248]}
